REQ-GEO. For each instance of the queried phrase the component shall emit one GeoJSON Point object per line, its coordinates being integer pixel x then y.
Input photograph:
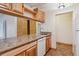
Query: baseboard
{"type": "Point", "coordinates": [64, 43]}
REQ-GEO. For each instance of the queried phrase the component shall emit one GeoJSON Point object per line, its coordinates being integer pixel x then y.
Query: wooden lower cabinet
{"type": "Point", "coordinates": [21, 54]}
{"type": "Point", "coordinates": [48, 43]}
{"type": "Point", "coordinates": [30, 52]}
{"type": "Point", "coordinates": [26, 53]}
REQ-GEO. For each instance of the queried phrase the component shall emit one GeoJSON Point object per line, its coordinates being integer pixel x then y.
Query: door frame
{"type": "Point", "coordinates": [73, 24]}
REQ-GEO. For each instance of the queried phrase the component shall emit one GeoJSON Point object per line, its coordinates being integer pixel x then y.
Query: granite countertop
{"type": "Point", "coordinates": [11, 43]}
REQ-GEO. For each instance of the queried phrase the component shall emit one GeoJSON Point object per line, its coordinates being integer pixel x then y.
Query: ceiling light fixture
{"type": "Point", "coordinates": [61, 5]}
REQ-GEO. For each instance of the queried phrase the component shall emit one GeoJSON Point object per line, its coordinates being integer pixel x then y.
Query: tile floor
{"type": "Point", "coordinates": [62, 50]}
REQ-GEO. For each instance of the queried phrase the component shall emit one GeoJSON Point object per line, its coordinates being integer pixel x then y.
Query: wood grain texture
{"type": "Point", "coordinates": [21, 54]}
{"type": "Point", "coordinates": [48, 43]}
{"type": "Point", "coordinates": [33, 51]}
{"type": "Point", "coordinates": [15, 11]}
{"type": "Point", "coordinates": [26, 8]}
{"type": "Point", "coordinates": [62, 50]}
{"type": "Point", "coordinates": [32, 26]}
{"type": "Point", "coordinates": [21, 26]}
{"type": "Point", "coordinates": [30, 52]}
{"type": "Point", "coordinates": [5, 5]}
{"type": "Point", "coordinates": [18, 7]}
{"type": "Point", "coordinates": [40, 15]}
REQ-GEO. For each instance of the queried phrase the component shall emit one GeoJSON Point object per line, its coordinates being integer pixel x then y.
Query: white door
{"type": "Point", "coordinates": [77, 43]}
{"type": "Point", "coordinates": [76, 32]}
{"type": "Point", "coordinates": [41, 47]}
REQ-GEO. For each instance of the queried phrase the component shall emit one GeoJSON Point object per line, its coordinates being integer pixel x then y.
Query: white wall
{"type": "Point", "coordinates": [64, 28]}
{"type": "Point", "coordinates": [1, 27]}
{"type": "Point", "coordinates": [75, 10]}
{"type": "Point", "coordinates": [11, 25]}
{"type": "Point", "coordinates": [49, 25]}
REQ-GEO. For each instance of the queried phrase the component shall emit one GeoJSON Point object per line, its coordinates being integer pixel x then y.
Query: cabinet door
{"type": "Point", "coordinates": [21, 26]}
{"type": "Point", "coordinates": [40, 16]}
{"type": "Point", "coordinates": [18, 7]}
{"type": "Point", "coordinates": [43, 16]}
{"type": "Point", "coordinates": [26, 53]}
{"type": "Point", "coordinates": [21, 54]}
{"type": "Point", "coordinates": [48, 43]}
{"type": "Point", "coordinates": [32, 27]}
{"type": "Point", "coordinates": [32, 51]}
{"type": "Point", "coordinates": [5, 5]}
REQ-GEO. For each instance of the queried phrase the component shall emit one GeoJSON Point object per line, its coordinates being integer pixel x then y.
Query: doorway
{"type": "Point", "coordinates": [64, 28]}
{"type": "Point", "coordinates": [64, 32]}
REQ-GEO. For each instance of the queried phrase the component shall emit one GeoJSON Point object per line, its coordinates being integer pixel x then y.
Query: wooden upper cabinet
{"type": "Point", "coordinates": [29, 9]}
{"type": "Point", "coordinates": [40, 15]}
{"type": "Point", "coordinates": [32, 27]}
{"type": "Point", "coordinates": [5, 5]}
{"type": "Point", "coordinates": [21, 26]}
{"type": "Point", "coordinates": [18, 7]}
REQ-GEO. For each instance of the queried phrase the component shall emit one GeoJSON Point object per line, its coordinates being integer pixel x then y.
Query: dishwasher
{"type": "Point", "coordinates": [41, 46]}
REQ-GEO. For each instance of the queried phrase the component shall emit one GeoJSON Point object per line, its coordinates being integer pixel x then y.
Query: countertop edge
{"type": "Point", "coordinates": [23, 44]}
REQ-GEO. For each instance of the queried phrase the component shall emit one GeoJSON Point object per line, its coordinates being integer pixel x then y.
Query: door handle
{"type": "Point", "coordinates": [77, 30]}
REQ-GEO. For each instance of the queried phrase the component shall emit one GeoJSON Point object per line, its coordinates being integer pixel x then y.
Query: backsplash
{"type": "Point", "coordinates": [8, 26]}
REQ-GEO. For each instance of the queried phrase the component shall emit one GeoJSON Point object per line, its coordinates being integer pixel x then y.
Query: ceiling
{"type": "Point", "coordinates": [50, 6]}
